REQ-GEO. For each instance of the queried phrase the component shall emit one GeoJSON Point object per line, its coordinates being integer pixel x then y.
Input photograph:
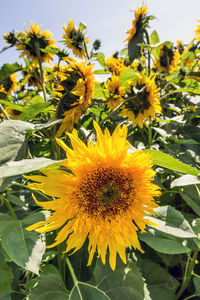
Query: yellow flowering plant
{"type": "Point", "coordinates": [99, 183]}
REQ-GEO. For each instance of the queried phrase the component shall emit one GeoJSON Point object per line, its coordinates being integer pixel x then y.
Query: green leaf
{"type": "Point", "coordinates": [23, 247]}
{"type": "Point", "coordinates": [13, 140]}
{"type": "Point", "coordinates": [185, 180]}
{"type": "Point", "coordinates": [8, 69]}
{"type": "Point", "coordinates": [161, 284]}
{"type": "Point", "coordinates": [34, 109]}
{"type": "Point", "coordinates": [124, 283]}
{"type": "Point", "coordinates": [24, 166]}
{"type": "Point", "coordinates": [11, 105]}
{"type": "Point", "coordinates": [127, 74]}
{"type": "Point", "coordinates": [172, 222]}
{"type": "Point", "coordinates": [82, 26]}
{"type": "Point", "coordinates": [6, 279]}
{"type": "Point", "coordinates": [163, 243]}
{"type": "Point", "coordinates": [133, 47]}
{"type": "Point", "coordinates": [154, 38]}
{"type": "Point", "coordinates": [37, 99]}
{"type": "Point", "coordinates": [49, 286]}
{"type": "Point", "coordinates": [100, 57]}
{"type": "Point", "coordinates": [98, 91]}
{"type": "Point", "coordinates": [191, 196]}
{"type": "Point", "coordinates": [165, 160]}
{"type": "Point", "coordinates": [86, 291]}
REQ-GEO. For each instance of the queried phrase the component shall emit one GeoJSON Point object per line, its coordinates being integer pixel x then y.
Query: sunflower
{"type": "Point", "coordinates": [10, 38]}
{"type": "Point", "coordinates": [75, 39]}
{"type": "Point", "coordinates": [115, 90]}
{"type": "Point", "coordinates": [146, 104]}
{"type": "Point", "coordinates": [33, 40]}
{"type": "Point", "coordinates": [197, 32]}
{"type": "Point", "coordinates": [12, 113]}
{"type": "Point", "coordinates": [77, 91]}
{"type": "Point", "coordinates": [9, 85]}
{"type": "Point", "coordinates": [32, 76]}
{"type": "Point", "coordinates": [106, 197]}
{"type": "Point", "coordinates": [138, 21]}
{"type": "Point", "coordinates": [114, 65]}
{"type": "Point", "coordinates": [168, 60]}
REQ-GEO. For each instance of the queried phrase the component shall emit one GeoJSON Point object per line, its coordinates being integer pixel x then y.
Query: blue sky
{"type": "Point", "coordinates": [105, 19]}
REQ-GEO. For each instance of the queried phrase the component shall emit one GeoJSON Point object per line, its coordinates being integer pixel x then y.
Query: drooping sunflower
{"type": "Point", "coordinates": [34, 40]}
{"type": "Point", "coordinates": [9, 85]}
{"type": "Point", "coordinates": [32, 76]}
{"type": "Point", "coordinates": [114, 65]}
{"type": "Point", "coordinates": [145, 104]}
{"type": "Point", "coordinates": [197, 32]}
{"type": "Point", "coordinates": [168, 60]}
{"type": "Point", "coordinates": [115, 92]}
{"type": "Point", "coordinates": [12, 113]}
{"type": "Point", "coordinates": [105, 199]}
{"type": "Point", "coordinates": [10, 38]}
{"type": "Point", "coordinates": [137, 23]}
{"type": "Point", "coordinates": [75, 39]}
{"type": "Point", "coordinates": [77, 89]}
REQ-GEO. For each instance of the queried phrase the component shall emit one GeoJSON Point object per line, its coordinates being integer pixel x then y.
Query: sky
{"type": "Point", "coordinates": [107, 20]}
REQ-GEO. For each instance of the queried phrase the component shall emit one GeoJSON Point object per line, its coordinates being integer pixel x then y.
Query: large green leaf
{"type": "Point", "coordinates": [50, 286]}
{"type": "Point", "coordinates": [13, 140]}
{"type": "Point", "coordinates": [34, 109]}
{"type": "Point", "coordinates": [85, 291]}
{"type": "Point", "coordinates": [7, 69]}
{"type": "Point", "coordinates": [172, 222]}
{"type": "Point", "coordinates": [163, 243]}
{"type": "Point", "coordinates": [185, 180]}
{"type": "Point", "coordinates": [22, 247]}
{"type": "Point", "coordinates": [24, 166]}
{"type": "Point", "coordinates": [190, 195]}
{"type": "Point", "coordinates": [161, 284]}
{"type": "Point", "coordinates": [133, 47]}
{"type": "Point", "coordinates": [6, 279]}
{"type": "Point", "coordinates": [123, 283]}
{"type": "Point", "coordinates": [165, 160]}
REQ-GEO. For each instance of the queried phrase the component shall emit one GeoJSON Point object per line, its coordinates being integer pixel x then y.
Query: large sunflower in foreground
{"type": "Point", "coordinates": [106, 197]}
{"type": "Point", "coordinates": [77, 89]}
{"type": "Point", "coordinates": [34, 38]}
{"type": "Point", "coordinates": [75, 39]}
{"type": "Point", "coordinates": [9, 85]}
{"type": "Point", "coordinates": [138, 21]}
{"type": "Point", "coordinates": [168, 60]}
{"type": "Point", "coordinates": [145, 104]}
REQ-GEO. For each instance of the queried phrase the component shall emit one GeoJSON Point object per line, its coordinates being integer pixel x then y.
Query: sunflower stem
{"type": "Point", "coordinates": [86, 51]}
{"type": "Point", "coordinates": [4, 112]}
{"type": "Point", "coordinates": [37, 49]}
{"type": "Point", "coordinates": [188, 273]}
{"type": "Point", "coordinates": [26, 187]}
{"type": "Point", "coordinates": [71, 269]}
{"type": "Point", "coordinates": [10, 208]}
{"type": "Point", "coordinates": [149, 136]}
{"type": "Point", "coordinates": [112, 112]}
{"type": "Point", "coordinates": [149, 56]}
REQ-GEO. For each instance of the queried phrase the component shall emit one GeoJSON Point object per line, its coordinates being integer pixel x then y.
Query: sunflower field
{"type": "Point", "coordinates": [99, 166]}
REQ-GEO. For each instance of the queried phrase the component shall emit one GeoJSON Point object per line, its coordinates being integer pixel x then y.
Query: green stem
{"type": "Point", "coordinates": [59, 258]}
{"type": "Point", "coordinates": [188, 273]}
{"type": "Point", "coordinates": [4, 112]}
{"type": "Point", "coordinates": [26, 187]}
{"type": "Point", "coordinates": [37, 49]}
{"type": "Point", "coordinates": [149, 136]}
{"type": "Point", "coordinates": [168, 94]}
{"type": "Point", "coordinates": [149, 56]}
{"type": "Point", "coordinates": [86, 51]}
{"type": "Point", "coordinates": [112, 112]}
{"type": "Point", "coordinates": [9, 206]}
{"type": "Point", "coordinates": [75, 280]}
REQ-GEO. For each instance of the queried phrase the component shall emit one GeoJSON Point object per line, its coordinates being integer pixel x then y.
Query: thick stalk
{"type": "Point", "coordinates": [4, 112]}
{"type": "Point", "coordinates": [188, 273]}
{"type": "Point", "coordinates": [37, 49]}
{"type": "Point", "coordinates": [149, 56]}
{"type": "Point", "coordinates": [10, 208]}
{"type": "Point", "coordinates": [71, 270]}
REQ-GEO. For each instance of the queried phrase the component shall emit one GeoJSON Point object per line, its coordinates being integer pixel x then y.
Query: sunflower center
{"type": "Point", "coordinates": [106, 192]}
{"type": "Point", "coordinates": [140, 103]}
{"type": "Point", "coordinates": [166, 57]}
{"type": "Point", "coordinates": [8, 84]}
